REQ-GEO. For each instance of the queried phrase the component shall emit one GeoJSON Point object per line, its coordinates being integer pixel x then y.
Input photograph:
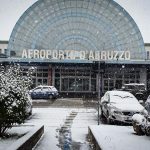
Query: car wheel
{"type": "Point", "coordinates": [102, 114]}
{"type": "Point", "coordinates": [137, 129]}
{"type": "Point", "coordinates": [148, 131]}
{"type": "Point", "coordinates": [108, 119]}
{"type": "Point", "coordinates": [50, 96]}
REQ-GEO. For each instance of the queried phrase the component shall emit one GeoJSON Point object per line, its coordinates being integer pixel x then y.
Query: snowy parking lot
{"type": "Point", "coordinates": [66, 125]}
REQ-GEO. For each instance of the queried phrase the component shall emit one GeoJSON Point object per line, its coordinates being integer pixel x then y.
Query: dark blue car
{"type": "Point", "coordinates": [44, 92]}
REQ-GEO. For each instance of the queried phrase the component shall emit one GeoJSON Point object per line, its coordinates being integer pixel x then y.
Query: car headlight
{"type": "Point", "coordinates": [144, 112]}
{"type": "Point", "coordinates": [117, 112]}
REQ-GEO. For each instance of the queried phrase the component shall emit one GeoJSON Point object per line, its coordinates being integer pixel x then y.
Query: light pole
{"type": "Point", "coordinates": [97, 65]}
{"type": "Point", "coordinates": [99, 91]}
{"type": "Point", "coordinates": [123, 67]}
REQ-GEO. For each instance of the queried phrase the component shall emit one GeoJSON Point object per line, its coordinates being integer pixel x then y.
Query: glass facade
{"type": "Point", "coordinates": [98, 25]}
{"type": "Point", "coordinates": [75, 79]}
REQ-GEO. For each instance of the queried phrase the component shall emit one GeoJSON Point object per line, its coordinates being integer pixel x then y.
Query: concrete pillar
{"type": "Point", "coordinates": [143, 76]}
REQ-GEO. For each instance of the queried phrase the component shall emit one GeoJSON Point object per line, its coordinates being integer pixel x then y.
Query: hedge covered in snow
{"type": "Point", "coordinates": [13, 96]}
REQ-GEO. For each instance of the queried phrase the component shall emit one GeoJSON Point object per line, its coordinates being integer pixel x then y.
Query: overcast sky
{"type": "Point", "coordinates": [11, 10]}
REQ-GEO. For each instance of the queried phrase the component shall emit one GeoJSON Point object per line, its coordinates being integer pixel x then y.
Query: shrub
{"type": "Point", "coordinates": [13, 96]}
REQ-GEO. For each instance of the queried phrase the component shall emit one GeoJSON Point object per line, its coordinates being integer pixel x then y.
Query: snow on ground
{"type": "Point", "coordinates": [81, 123]}
{"type": "Point", "coordinates": [119, 137]}
{"type": "Point", "coordinates": [68, 127]}
{"type": "Point", "coordinates": [15, 133]}
{"type": "Point", "coordinates": [51, 118]}
{"type": "Point", "coordinates": [54, 119]}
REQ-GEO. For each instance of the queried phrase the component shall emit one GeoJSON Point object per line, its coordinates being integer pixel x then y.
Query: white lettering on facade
{"type": "Point", "coordinates": [36, 54]}
{"type": "Point", "coordinates": [116, 55]}
{"type": "Point", "coordinates": [24, 54]}
{"type": "Point", "coordinates": [109, 55]}
{"type": "Point", "coordinates": [97, 55]}
{"type": "Point", "coordinates": [42, 54]}
{"type": "Point", "coordinates": [48, 54]}
{"type": "Point", "coordinates": [61, 54]}
{"type": "Point", "coordinates": [30, 53]}
{"type": "Point", "coordinates": [127, 55]}
{"type": "Point", "coordinates": [91, 55]}
{"type": "Point", "coordinates": [82, 54]}
{"type": "Point", "coordinates": [55, 54]}
{"type": "Point", "coordinates": [121, 55]}
{"type": "Point", "coordinates": [103, 55]}
{"type": "Point", "coordinates": [74, 54]}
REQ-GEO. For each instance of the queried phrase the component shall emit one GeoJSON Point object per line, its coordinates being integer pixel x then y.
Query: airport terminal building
{"type": "Point", "coordinates": [73, 42]}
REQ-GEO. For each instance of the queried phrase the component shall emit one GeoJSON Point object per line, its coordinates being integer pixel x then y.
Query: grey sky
{"type": "Point", "coordinates": [11, 10]}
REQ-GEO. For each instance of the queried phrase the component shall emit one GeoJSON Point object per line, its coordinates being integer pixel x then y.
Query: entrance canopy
{"type": "Point", "coordinates": [78, 25]}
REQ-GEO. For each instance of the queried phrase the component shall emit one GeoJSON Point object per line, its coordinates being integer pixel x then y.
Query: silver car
{"type": "Point", "coordinates": [120, 106]}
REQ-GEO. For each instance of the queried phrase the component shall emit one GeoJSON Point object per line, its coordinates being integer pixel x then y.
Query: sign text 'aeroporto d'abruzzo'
{"type": "Point", "coordinates": [74, 54]}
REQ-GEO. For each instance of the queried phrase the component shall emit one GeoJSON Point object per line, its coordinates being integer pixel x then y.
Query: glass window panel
{"type": "Point", "coordinates": [39, 81]}
{"type": "Point", "coordinates": [57, 83]}
{"type": "Point", "coordinates": [85, 84]}
{"type": "Point", "coordinates": [93, 84]}
{"type": "Point", "coordinates": [39, 74]}
{"type": "Point", "coordinates": [64, 84]}
{"type": "Point", "coordinates": [79, 85]}
{"type": "Point", "coordinates": [72, 84]}
{"type": "Point", "coordinates": [45, 74]}
{"type": "Point", "coordinates": [44, 81]}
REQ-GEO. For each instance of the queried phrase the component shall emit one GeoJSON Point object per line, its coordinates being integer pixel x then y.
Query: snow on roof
{"type": "Point", "coordinates": [135, 84]}
{"type": "Point", "coordinates": [122, 93]}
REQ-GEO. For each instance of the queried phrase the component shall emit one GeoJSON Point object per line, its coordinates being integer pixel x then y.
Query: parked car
{"type": "Point", "coordinates": [44, 92]}
{"type": "Point", "coordinates": [120, 106]}
{"type": "Point", "coordinates": [137, 89]}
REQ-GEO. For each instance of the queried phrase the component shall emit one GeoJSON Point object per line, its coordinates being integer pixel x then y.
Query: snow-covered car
{"type": "Point", "coordinates": [120, 106]}
{"type": "Point", "coordinates": [44, 92]}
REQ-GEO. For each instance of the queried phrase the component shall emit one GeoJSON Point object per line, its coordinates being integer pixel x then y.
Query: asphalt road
{"type": "Point", "coordinates": [66, 103]}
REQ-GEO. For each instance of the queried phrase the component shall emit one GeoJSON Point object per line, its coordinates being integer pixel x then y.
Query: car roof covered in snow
{"type": "Point", "coordinates": [122, 93]}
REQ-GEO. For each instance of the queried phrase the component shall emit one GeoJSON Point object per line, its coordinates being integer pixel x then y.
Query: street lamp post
{"type": "Point", "coordinates": [123, 69]}
{"type": "Point", "coordinates": [99, 91]}
{"type": "Point", "coordinates": [97, 65]}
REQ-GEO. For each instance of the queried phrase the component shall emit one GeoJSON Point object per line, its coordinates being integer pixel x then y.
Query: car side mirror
{"type": "Point", "coordinates": [141, 101]}
{"type": "Point", "coordinates": [105, 102]}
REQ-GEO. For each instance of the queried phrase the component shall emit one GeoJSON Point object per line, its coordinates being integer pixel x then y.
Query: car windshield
{"type": "Point", "coordinates": [116, 98]}
{"type": "Point", "coordinates": [45, 89]}
{"type": "Point", "coordinates": [53, 88]}
{"type": "Point", "coordinates": [135, 87]}
{"type": "Point", "coordinates": [141, 87]}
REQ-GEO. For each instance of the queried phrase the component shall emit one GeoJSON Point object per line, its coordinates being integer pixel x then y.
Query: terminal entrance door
{"type": "Point", "coordinates": [75, 79]}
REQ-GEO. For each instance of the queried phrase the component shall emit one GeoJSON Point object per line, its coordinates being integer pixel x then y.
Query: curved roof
{"type": "Point", "coordinates": [77, 25]}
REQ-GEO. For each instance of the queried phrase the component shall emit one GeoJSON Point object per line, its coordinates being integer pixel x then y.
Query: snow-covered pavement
{"type": "Point", "coordinates": [63, 124]}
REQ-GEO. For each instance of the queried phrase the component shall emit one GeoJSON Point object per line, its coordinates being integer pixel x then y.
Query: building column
{"type": "Point", "coordinates": [50, 75]}
{"type": "Point", "coordinates": [143, 76]}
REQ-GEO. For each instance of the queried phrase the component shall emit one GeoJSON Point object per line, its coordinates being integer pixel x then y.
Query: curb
{"type": "Point", "coordinates": [93, 140]}
{"type": "Point", "coordinates": [28, 141]}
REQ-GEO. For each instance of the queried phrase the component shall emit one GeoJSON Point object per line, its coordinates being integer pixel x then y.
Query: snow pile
{"type": "Point", "coordinates": [138, 118]}
{"type": "Point", "coordinates": [119, 138]}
